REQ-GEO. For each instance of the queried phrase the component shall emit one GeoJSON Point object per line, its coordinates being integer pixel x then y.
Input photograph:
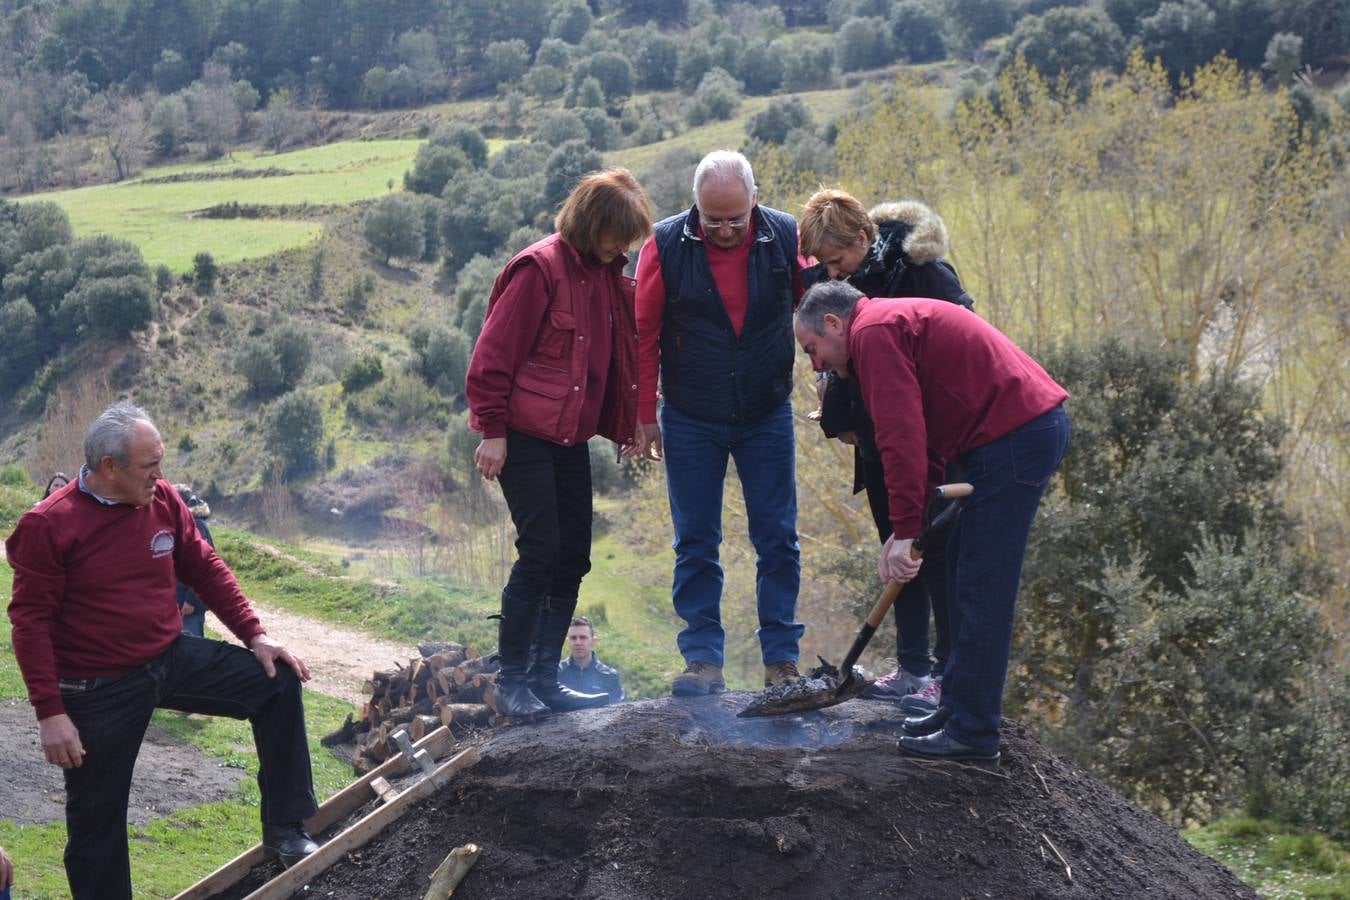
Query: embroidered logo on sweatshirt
{"type": "Point", "coordinates": [161, 544]}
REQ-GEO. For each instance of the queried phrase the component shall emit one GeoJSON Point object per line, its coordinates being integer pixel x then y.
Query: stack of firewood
{"type": "Point", "coordinates": [448, 684]}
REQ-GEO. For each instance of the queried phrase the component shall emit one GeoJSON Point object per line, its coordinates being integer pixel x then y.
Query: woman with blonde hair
{"type": "Point", "coordinates": [556, 363]}
{"type": "Point", "coordinates": [896, 249]}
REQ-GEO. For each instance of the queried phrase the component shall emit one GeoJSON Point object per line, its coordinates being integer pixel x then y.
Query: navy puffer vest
{"type": "Point", "coordinates": [707, 372]}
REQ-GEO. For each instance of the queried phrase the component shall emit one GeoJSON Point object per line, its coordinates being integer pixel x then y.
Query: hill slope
{"type": "Point", "coordinates": [668, 798]}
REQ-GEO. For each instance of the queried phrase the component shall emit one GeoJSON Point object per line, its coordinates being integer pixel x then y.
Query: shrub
{"type": "Point", "coordinates": [393, 227]}
{"type": "Point", "coordinates": [772, 124]}
{"type": "Point", "coordinates": [294, 431]}
{"type": "Point", "coordinates": [258, 363]}
{"type": "Point", "coordinates": [204, 272]}
{"type": "Point", "coordinates": [1167, 627]}
{"type": "Point", "coordinates": [718, 97]}
{"type": "Point", "coordinates": [364, 371]}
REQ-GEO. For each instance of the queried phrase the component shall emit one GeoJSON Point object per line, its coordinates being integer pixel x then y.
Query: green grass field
{"type": "Point", "coordinates": [157, 216]}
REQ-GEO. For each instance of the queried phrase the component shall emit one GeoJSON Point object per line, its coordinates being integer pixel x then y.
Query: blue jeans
{"type": "Point", "coordinates": [984, 568]}
{"type": "Point", "coordinates": [111, 714]}
{"type": "Point", "coordinates": [696, 454]}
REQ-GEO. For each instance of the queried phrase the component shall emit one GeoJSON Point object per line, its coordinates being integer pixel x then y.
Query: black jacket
{"type": "Point", "coordinates": [597, 678]}
{"type": "Point", "coordinates": [905, 260]}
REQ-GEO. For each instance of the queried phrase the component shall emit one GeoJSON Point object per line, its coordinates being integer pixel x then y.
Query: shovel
{"type": "Point", "coordinates": [823, 686]}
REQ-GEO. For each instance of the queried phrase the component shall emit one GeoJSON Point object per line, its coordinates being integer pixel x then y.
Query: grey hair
{"type": "Point", "coordinates": [826, 298]}
{"type": "Point", "coordinates": [111, 434]}
{"type": "Point", "coordinates": [724, 164]}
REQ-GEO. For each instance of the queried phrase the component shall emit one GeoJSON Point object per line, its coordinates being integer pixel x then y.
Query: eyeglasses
{"type": "Point", "coordinates": [713, 224]}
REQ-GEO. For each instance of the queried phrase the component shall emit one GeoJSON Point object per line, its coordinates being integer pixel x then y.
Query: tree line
{"type": "Point", "coordinates": [148, 76]}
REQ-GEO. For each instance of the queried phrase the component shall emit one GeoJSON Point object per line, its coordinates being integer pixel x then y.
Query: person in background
{"type": "Point", "coordinates": [583, 671]}
{"type": "Point", "coordinates": [100, 646]}
{"type": "Point", "coordinates": [59, 480]}
{"type": "Point", "coordinates": [189, 604]}
{"type": "Point", "coordinates": [716, 287]}
{"type": "Point", "coordinates": [896, 249]}
{"type": "Point", "coordinates": [556, 363]}
{"type": "Point", "coordinates": [940, 382]}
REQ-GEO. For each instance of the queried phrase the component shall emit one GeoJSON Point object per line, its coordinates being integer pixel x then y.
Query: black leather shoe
{"type": "Point", "coordinates": [289, 842]}
{"type": "Point", "coordinates": [940, 745]}
{"type": "Point", "coordinates": [928, 723]}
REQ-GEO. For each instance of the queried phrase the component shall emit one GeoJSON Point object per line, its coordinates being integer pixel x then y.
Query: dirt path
{"type": "Point", "coordinates": [172, 774]}
{"type": "Point", "coordinates": [339, 659]}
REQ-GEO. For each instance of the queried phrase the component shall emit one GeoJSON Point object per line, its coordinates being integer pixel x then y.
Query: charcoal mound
{"type": "Point", "coordinates": [680, 798]}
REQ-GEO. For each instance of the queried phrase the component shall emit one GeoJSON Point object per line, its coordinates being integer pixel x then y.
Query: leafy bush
{"type": "Point", "coordinates": [433, 166]}
{"type": "Point", "coordinates": [204, 272]}
{"type": "Point", "coordinates": [1167, 627]}
{"type": "Point", "coordinates": [565, 167]}
{"type": "Point", "coordinates": [364, 371]}
{"type": "Point", "coordinates": [442, 357]}
{"type": "Point", "coordinates": [1070, 41]}
{"type": "Point", "coordinates": [772, 123]}
{"type": "Point", "coordinates": [277, 362]}
{"type": "Point", "coordinates": [294, 431]}
{"type": "Point", "coordinates": [393, 227]}
{"type": "Point", "coordinates": [258, 363]}
{"type": "Point", "coordinates": [718, 97]}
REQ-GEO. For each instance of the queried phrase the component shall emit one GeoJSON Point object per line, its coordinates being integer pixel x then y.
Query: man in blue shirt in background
{"type": "Point", "coordinates": [583, 671]}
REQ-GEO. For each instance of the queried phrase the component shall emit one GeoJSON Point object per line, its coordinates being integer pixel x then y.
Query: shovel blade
{"type": "Point", "coordinates": [820, 689]}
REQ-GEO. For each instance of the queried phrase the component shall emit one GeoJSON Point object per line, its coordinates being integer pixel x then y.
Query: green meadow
{"type": "Point", "coordinates": [158, 214]}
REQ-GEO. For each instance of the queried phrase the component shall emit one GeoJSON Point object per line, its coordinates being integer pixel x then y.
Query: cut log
{"type": "Point", "coordinates": [465, 714]}
{"type": "Point", "coordinates": [451, 871]}
{"type": "Point", "coordinates": [429, 648]}
{"type": "Point", "coordinates": [422, 726]}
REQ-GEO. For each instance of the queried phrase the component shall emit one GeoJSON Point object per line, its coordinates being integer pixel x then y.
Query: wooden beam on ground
{"type": "Point", "coordinates": [361, 833]}
{"type": "Point", "coordinates": [334, 809]}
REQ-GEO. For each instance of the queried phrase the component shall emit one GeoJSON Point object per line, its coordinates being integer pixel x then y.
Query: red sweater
{"type": "Point", "coordinates": [94, 587]}
{"type": "Point", "coordinates": [937, 379]}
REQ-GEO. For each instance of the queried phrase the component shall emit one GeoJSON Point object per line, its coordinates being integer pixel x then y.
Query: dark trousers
{"type": "Point", "coordinates": [547, 487]}
{"type": "Point", "coordinates": [985, 555]}
{"type": "Point", "coordinates": [926, 592]}
{"type": "Point", "coordinates": [111, 714]}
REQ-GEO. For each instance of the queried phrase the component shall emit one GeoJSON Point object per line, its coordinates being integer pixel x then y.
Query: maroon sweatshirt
{"type": "Point", "coordinates": [937, 379]}
{"type": "Point", "coordinates": [94, 587]}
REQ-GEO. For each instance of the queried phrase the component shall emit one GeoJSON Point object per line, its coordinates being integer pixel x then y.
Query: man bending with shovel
{"type": "Point", "coordinates": [937, 380]}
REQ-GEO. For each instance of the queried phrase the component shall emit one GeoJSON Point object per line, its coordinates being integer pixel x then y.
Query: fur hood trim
{"type": "Point", "coordinates": [926, 241]}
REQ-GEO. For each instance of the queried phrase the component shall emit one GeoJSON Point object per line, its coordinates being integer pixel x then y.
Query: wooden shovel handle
{"type": "Point", "coordinates": [883, 604]}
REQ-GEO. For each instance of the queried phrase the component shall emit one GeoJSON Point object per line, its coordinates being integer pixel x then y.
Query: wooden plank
{"type": "Point", "coordinates": [334, 809]}
{"type": "Point", "coordinates": [384, 789]}
{"type": "Point", "coordinates": [359, 793]}
{"type": "Point", "coordinates": [362, 832]}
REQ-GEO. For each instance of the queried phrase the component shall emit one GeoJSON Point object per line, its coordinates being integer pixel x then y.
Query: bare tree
{"type": "Point", "coordinates": [120, 122]}
{"type": "Point", "coordinates": [60, 444]}
{"type": "Point", "coordinates": [215, 113]}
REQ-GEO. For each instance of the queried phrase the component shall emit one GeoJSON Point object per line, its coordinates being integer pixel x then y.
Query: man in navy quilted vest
{"type": "Point", "coordinates": [716, 289]}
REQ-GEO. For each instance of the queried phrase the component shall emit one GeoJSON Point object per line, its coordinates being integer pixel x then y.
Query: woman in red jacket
{"type": "Point", "coordinates": [556, 363]}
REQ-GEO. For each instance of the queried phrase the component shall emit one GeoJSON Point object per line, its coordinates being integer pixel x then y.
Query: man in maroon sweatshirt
{"type": "Point", "coordinates": [942, 384]}
{"type": "Point", "coordinates": [98, 638]}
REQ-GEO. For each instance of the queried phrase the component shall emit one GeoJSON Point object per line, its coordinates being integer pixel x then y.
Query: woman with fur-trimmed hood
{"type": "Point", "coordinates": [897, 249]}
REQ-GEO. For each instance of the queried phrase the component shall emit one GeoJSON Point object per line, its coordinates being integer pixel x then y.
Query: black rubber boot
{"type": "Point", "coordinates": [554, 621]}
{"type": "Point", "coordinates": [511, 695]}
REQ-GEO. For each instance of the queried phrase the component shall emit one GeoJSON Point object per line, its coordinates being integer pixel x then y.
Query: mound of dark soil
{"type": "Point", "coordinates": [679, 799]}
